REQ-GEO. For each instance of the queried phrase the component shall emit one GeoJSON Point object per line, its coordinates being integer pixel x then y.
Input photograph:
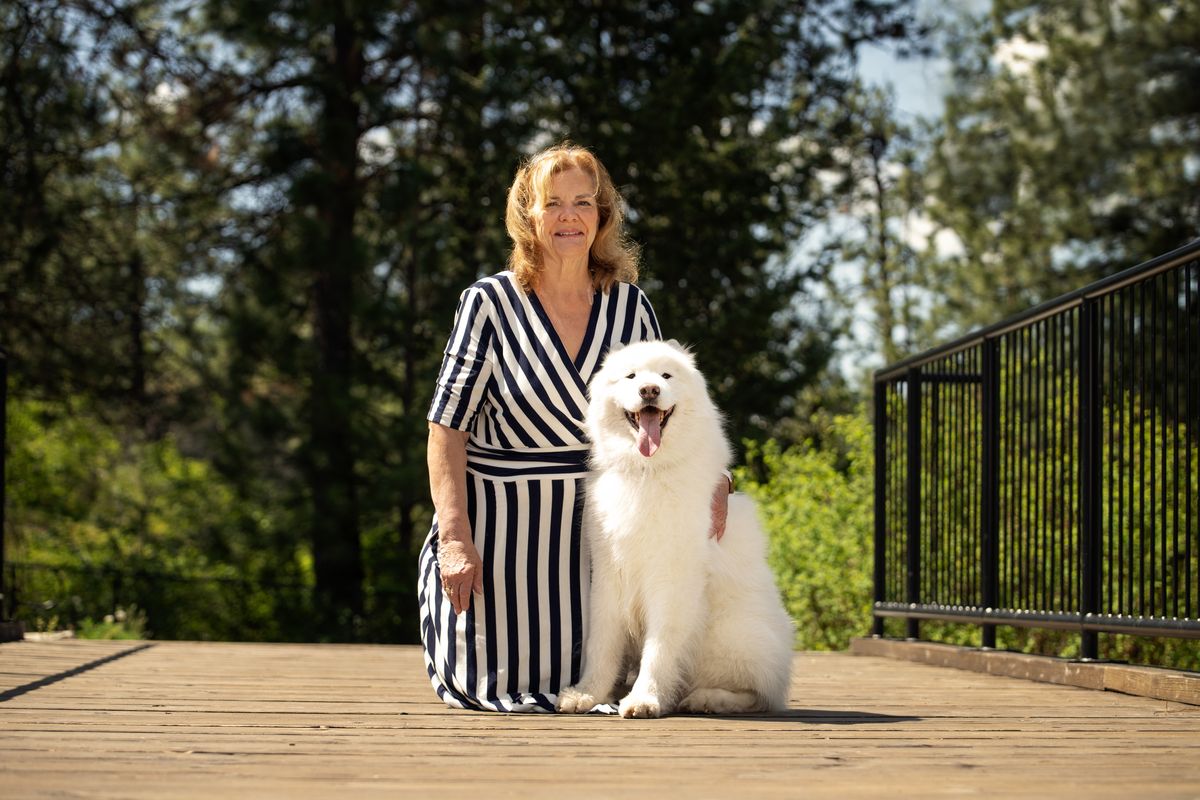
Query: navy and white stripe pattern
{"type": "Point", "coordinates": [507, 379]}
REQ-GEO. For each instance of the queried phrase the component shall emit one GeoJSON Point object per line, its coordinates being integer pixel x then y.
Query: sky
{"type": "Point", "coordinates": [919, 85]}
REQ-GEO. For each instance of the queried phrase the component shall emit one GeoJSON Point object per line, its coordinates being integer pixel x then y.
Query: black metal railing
{"type": "Point", "coordinates": [5, 606]}
{"type": "Point", "coordinates": [1042, 472]}
{"type": "Point", "coordinates": [168, 605]}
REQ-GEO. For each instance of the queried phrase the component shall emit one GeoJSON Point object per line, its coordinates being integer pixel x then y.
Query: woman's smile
{"type": "Point", "coordinates": [567, 218]}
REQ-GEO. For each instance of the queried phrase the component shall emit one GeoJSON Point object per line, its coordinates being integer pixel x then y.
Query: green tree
{"type": "Point", "coordinates": [718, 119]}
{"type": "Point", "coordinates": [102, 520]}
{"type": "Point", "coordinates": [61, 295]}
{"type": "Point", "coordinates": [878, 278]}
{"type": "Point", "coordinates": [700, 112]}
{"type": "Point", "coordinates": [257, 243]}
{"type": "Point", "coordinates": [1069, 150]}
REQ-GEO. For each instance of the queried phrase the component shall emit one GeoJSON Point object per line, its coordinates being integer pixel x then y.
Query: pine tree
{"type": "Point", "coordinates": [1068, 149]}
{"type": "Point", "coordinates": [718, 119]}
{"type": "Point", "coordinates": [291, 198]}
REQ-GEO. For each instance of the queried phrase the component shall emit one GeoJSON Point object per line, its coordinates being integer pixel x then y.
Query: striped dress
{"type": "Point", "coordinates": [507, 379]}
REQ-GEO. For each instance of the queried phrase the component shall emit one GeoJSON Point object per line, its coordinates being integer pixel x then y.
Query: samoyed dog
{"type": "Point", "coordinates": [700, 621]}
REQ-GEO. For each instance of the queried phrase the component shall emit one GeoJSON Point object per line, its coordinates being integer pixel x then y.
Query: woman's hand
{"type": "Point", "coordinates": [462, 570]}
{"type": "Point", "coordinates": [458, 560]}
{"type": "Point", "coordinates": [720, 509]}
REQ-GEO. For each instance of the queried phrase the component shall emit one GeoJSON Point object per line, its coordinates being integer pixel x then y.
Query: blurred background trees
{"type": "Point", "coordinates": [1068, 149]}
{"type": "Point", "coordinates": [232, 236]}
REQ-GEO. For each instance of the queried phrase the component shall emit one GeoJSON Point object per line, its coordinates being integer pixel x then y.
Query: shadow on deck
{"type": "Point", "coordinates": [176, 719]}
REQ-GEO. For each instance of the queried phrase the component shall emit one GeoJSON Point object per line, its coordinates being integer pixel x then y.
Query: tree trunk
{"type": "Point", "coordinates": [337, 549]}
{"type": "Point", "coordinates": [885, 310]}
{"type": "Point", "coordinates": [135, 309]}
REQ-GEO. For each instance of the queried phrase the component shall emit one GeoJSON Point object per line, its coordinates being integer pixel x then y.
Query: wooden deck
{"type": "Point", "coordinates": [176, 719]}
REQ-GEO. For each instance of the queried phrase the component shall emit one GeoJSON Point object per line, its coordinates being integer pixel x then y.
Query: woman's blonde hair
{"type": "Point", "coordinates": [613, 256]}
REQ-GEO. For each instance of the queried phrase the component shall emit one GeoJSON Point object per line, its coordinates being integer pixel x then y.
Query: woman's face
{"type": "Point", "coordinates": [567, 218]}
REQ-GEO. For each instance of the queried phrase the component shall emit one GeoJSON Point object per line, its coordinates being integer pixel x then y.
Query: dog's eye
{"type": "Point", "coordinates": [667, 375]}
{"type": "Point", "coordinates": [630, 376]}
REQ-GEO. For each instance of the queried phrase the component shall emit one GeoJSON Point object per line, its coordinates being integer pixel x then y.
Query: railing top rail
{"type": "Point", "coordinates": [1099, 288]}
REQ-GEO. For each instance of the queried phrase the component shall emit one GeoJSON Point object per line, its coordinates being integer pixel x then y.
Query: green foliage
{"type": "Point", "coordinates": [816, 504]}
{"type": "Point", "coordinates": [1146, 557]}
{"type": "Point", "coordinates": [719, 120]}
{"type": "Point", "coordinates": [232, 236]}
{"type": "Point", "coordinates": [816, 501]}
{"type": "Point", "coordinates": [1068, 150]}
{"type": "Point", "coordinates": [100, 219]}
{"type": "Point", "coordinates": [249, 236]}
{"type": "Point", "coordinates": [121, 624]}
{"type": "Point", "coordinates": [78, 487]}
{"type": "Point", "coordinates": [879, 259]}
{"type": "Point", "coordinates": [1142, 518]}
{"type": "Point", "coordinates": [99, 521]}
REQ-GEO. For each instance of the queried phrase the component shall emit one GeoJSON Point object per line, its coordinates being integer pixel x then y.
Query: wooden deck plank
{"type": "Point", "coordinates": [210, 719]}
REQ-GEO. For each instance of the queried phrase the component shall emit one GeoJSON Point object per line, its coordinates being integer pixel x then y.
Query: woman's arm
{"type": "Point", "coordinates": [458, 560]}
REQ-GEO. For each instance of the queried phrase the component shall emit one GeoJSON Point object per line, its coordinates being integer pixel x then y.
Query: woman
{"type": "Point", "coordinates": [503, 579]}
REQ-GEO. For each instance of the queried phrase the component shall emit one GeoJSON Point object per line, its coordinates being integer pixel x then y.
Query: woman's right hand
{"type": "Point", "coordinates": [462, 570]}
{"type": "Point", "coordinates": [458, 560]}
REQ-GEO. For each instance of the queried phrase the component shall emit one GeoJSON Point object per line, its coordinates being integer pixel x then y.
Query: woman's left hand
{"type": "Point", "coordinates": [720, 510]}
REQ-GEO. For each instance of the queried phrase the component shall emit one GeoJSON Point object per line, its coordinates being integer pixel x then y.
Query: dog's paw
{"type": "Point", "coordinates": [720, 701]}
{"type": "Point", "coordinates": [640, 706]}
{"type": "Point", "coordinates": [572, 700]}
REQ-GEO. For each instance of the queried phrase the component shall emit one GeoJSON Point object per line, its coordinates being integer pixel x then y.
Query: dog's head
{"type": "Point", "coordinates": [641, 392]}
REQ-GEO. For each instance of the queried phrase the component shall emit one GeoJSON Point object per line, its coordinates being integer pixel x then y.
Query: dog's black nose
{"type": "Point", "coordinates": [649, 392]}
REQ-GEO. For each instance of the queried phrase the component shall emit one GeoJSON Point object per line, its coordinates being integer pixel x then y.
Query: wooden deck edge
{"type": "Point", "coordinates": [1161, 684]}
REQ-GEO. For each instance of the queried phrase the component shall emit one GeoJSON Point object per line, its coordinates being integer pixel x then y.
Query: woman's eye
{"type": "Point", "coordinates": [667, 375]}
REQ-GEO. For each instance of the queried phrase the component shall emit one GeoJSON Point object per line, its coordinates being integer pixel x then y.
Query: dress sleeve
{"type": "Point", "coordinates": [466, 366]}
{"type": "Point", "coordinates": [647, 322]}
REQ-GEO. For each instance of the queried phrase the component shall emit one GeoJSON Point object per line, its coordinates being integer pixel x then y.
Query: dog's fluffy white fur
{"type": "Point", "coordinates": [700, 621]}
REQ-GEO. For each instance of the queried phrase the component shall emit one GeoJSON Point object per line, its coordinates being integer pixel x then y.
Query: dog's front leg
{"type": "Point", "coordinates": [604, 646]}
{"type": "Point", "coordinates": [672, 620]}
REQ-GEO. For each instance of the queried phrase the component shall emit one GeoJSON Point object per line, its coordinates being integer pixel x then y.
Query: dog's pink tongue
{"type": "Point", "coordinates": [649, 431]}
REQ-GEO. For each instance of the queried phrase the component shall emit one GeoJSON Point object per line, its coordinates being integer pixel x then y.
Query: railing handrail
{"type": "Point", "coordinates": [1071, 299]}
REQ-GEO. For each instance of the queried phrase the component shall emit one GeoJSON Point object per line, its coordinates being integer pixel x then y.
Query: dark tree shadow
{"type": "Point", "coordinates": [17, 691]}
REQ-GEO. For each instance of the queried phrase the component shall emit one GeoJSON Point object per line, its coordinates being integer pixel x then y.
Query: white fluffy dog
{"type": "Point", "coordinates": [700, 620]}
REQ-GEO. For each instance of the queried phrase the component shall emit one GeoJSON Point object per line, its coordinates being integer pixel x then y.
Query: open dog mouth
{"type": "Point", "coordinates": [649, 423]}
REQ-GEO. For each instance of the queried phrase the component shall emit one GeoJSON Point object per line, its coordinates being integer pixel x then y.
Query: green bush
{"type": "Point", "coordinates": [816, 504]}
{"type": "Point", "coordinates": [816, 500]}
{"type": "Point", "coordinates": [102, 519]}
{"type": "Point", "coordinates": [120, 624]}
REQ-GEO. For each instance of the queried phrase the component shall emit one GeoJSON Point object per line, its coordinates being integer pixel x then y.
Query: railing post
{"type": "Point", "coordinates": [880, 500]}
{"type": "Point", "coordinates": [989, 535]}
{"type": "Point", "coordinates": [913, 588]}
{"type": "Point", "coordinates": [1089, 472]}
{"type": "Point", "coordinates": [5, 606]}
